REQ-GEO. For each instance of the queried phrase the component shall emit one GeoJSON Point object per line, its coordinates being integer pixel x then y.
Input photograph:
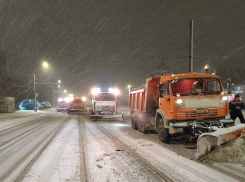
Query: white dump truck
{"type": "Point", "coordinates": [104, 104]}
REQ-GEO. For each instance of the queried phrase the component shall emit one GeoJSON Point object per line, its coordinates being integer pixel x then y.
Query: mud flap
{"type": "Point", "coordinates": [208, 141]}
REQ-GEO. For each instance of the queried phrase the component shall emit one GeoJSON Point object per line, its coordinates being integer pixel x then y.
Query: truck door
{"type": "Point", "coordinates": [164, 99]}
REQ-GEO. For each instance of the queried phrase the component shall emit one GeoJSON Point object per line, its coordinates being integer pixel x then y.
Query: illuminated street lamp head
{"type": "Point", "coordinates": [129, 86]}
{"type": "Point", "coordinates": [65, 91]}
{"type": "Point", "coordinates": [45, 64]}
{"type": "Point", "coordinates": [59, 81]}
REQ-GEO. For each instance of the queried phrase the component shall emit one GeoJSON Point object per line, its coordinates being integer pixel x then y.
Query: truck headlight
{"type": "Point", "coordinates": [60, 100]}
{"type": "Point", "coordinates": [224, 98]}
{"type": "Point", "coordinates": [179, 101]}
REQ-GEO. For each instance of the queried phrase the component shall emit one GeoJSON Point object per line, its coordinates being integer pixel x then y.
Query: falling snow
{"type": "Point", "coordinates": [109, 43]}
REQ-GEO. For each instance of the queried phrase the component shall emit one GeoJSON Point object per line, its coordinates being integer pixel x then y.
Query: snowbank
{"type": "Point", "coordinates": [233, 151]}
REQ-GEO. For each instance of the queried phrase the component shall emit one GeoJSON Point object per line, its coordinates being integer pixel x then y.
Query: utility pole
{"type": "Point", "coordinates": [35, 94]}
{"type": "Point", "coordinates": [191, 55]}
{"type": "Point", "coordinates": [53, 94]}
{"type": "Point", "coordinates": [191, 48]}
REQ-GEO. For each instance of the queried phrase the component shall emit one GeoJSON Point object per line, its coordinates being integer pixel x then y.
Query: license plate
{"type": "Point", "coordinates": [202, 111]}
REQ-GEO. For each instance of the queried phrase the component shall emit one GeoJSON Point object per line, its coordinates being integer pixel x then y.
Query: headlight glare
{"type": "Point", "coordinates": [179, 101]}
{"type": "Point", "coordinates": [224, 98]}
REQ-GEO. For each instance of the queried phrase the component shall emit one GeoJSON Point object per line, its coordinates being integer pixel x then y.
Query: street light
{"type": "Point", "coordinates": [59, 81]}
{"type": "Point", "coordinates": [45, 65]}
{"type": "Point", "coordinates": [65, 91]}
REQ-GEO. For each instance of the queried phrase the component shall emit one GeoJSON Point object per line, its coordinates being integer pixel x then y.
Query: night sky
{"type": "Point", "coordinates": [110, 42]}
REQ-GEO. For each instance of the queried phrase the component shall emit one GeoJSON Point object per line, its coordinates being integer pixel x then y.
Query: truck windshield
{"type": "Point", "coordinates": [77, 101]}
{"type": "Point", "coordinates": [197, 86]}
{"type": "Point", "coordinates": [105, 97]}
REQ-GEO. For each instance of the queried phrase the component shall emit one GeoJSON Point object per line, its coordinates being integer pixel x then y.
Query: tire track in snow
{"type": "Point", "coordinates": [132, 153]}
{"type": "Point", "coordinates": [83, 166]}
{"type": "Point", "coordinates": [22, 166]}
{"type": "Point", "coordinates": [54, 154]}
{"type": "Point", "coordinates": [10, 128]}
{"type": "Point", "coordinates": [175, 160]}
{"type": "Point", "coordinates": [22, 135]}
{"type": "Point", "coordinates": [106, 154]}
{"type": "Point", "coordinates": [11, 150]}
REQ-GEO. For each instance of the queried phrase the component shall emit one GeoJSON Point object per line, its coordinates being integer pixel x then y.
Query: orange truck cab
{"type": "Point", "coordinates": [180, 105]}
{"type": "Point", "coordinates": [77, 105]}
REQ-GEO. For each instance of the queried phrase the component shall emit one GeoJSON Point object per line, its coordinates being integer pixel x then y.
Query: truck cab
{"type": "Point", "coordinates": [184, 104]}
{"type": "Point", "coordinates": [63, 104]}
{"type": "Point", "coordinates": [104, 103]}
{"type": "Point", "coordinates": [77, 105]}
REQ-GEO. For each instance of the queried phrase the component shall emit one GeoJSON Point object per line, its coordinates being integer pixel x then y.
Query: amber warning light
{"type": "Point", "coordinates": [206, 68]}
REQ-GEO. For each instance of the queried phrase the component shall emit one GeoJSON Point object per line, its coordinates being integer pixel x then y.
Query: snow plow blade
{"type": "Point", "coordinates": [61, 109]}
{"type": "Point", "coordinates": [208, 141]}
{"type": "Point", "coordinates": [115, 116]}
{"type": "Point", "coordinates": [77, 111]}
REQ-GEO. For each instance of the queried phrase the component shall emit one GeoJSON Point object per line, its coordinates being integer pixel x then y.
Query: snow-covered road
{"type": "Point", "coordinates": [49, 146]}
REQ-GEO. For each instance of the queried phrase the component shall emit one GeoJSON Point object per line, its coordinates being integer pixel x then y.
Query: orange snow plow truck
{"type": "Point", "coordinates": [190, 105]}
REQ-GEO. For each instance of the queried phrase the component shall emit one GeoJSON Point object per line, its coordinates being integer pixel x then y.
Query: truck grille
{"type": "Point", "coordinates": [105, 108]}
{"type": "Point", "coordinates": [194, 114]}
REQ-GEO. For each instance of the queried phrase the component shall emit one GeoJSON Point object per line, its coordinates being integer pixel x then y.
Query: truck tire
{"type": "Point", "coordinates": [163, 133]}
{"type": "Point", "coordinates": [134, 123]}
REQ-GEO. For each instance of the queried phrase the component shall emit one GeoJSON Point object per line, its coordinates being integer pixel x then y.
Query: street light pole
{"type": "Point", "coordinates": [45, 65]}
{"type": "Point", "coordinates": [35, 94]}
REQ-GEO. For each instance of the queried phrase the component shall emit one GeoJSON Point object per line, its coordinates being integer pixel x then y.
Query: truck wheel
{"type": "Point", "coordinates": [163, 133]}
{"type": "Point", "coordinates": [134, 123]}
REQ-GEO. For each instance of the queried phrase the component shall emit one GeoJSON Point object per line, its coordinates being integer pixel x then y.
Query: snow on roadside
{"type": "Point", "coordinates": [233, 151]}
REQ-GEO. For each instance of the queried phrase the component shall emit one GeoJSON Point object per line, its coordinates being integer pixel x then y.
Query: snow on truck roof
{"type": "Point", "coordinates": [173, 76]}
{"type": "Point", "coordinates": [187, 75]}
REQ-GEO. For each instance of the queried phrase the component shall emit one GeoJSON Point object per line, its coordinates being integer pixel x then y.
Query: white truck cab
{"type": "Point", "coordinates": [104, 103]}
